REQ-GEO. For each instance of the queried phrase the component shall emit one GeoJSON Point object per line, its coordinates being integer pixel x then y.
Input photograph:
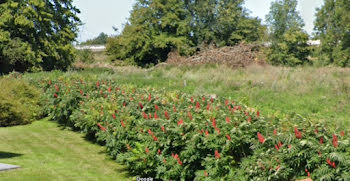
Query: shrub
{"type": "Point", "coordinates": [86, 56]}
{"type": "Point", "coordinates": [176, 136]}
{"type": "Point", "coordinates": [19, 102]}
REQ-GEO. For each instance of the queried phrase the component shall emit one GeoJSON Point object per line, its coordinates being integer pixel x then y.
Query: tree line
{"type": "Point", "coordinates": [38, 34]}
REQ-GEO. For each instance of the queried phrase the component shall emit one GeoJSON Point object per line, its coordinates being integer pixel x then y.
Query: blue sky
{"type": "Point", "coordinates": [99, 16]}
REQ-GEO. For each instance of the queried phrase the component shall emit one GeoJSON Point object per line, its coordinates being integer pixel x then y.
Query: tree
{"type": "Point", "coordinates": [288, 40]}
{"type": "Point", "coordinates": [333, 29]}
{"type": "Point", "coordinates": [157, 27]}
{"type": "Point", "coordinates": [37, 34]}
{"type": "Point", "coordinates": [101, 39]}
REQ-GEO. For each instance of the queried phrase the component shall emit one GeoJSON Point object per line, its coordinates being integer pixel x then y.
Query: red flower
{"type": "Point", "coordinates": [321, 140]}
{"type": "Point", "coordinates": [308, 173]}
{"type": "Point", "coordinates": [180, 122]}
{"type": "Point", "coordinates": [297, 133]}
{"type": "Point", "coordinates": [55, 95]}
{"type": "Point", "coordinates": [156, 107]}
{"type": "Point", "coordinates": [144, 115]}
{"type": "Point", "coordinates": [275, 132]}
{"type": "Point", "coordinates": [261, 138]}
{"type": "Point", "coordinates": [150, 116]}
{"type": "Point", "coordinates": [174, 108]}
{"type": "Point", "coordinates": [249, 119]}
{"type": "Point", "coordinates": [217, 130]}
{"type": "Point", "coordinates": [206, 173]}
{"type": "Point", "coordinates": [166, 114]}
{"type": "Point", "coordinates": [228, 120]}
{"type": "Point", "coordinates": [50, 82]}
{"type": "Point", "coordinates": [197, 106]}
{"type": "Point", "coordinates": [113, 115]}
{"type": "Point", "coordinates": [192, 99]}
{"type": "Point", "coordinates": [211, 100]}
{"type": "Point", "coordinates": [155, 115]}
{"type": "Point", "coordinates": [109, 89]}
{"type": "Point", "coordinates": [228, 137]}
{"type": "Point", "coordinates": [155, 138]}
{"type": "Point", "coordinates": [57, 88]}
{"type": "Point", "coordinates": [208, 107]}
{"type": "Point", "coordinates": [122, 123]}
{"type": "Point", "coordinates": [150, 132]}
{"type": "Point", "coordinates": [335, 141]}
{"type": "Point", "coordinates": [163, 129]}
{"type": "Point", "coordinates": [226, 102]}
{"type": "Point", "coordinates": [101, 127]}
{"type": "Point", "coordinates": [332, 164]}
{"type": "Point", "coordinates": [147, 150]}
{"type": "Point", "coordinates": [97, 84]}
{"type": "Point", "coordinates": [342, 133]}
{"type": "Point", "coordinates": [203, 98]}
{"type": "Point", "coordinates": [149, 97]}
{"type": "Point", "coordinates": [278, 146]}
{"type": "Point", "coordinates": [81, 92]}
{"type": "Point", "coordinates": [257, 114]}
{"type": "Point", "coordinates": [140, 105]}
{"type": "Point", "coordinates": [159, 152]}
{"type": "Point", "coordinates": [316, 131]}
{"type": "Point", "coordinates": [206, 133]}
{"type": "Point", "coordinates": [217, 154]}
{"type": "Point", "coordinates": [246, 113]}
{"type": "Point", "coordinates": [289, 146]}
{"type": "Point", "coordinates": [124, 104]}
{"type": "Point", "coordinates": [189, 115]}
{"type": "Point", "coordinates": [213, 122]}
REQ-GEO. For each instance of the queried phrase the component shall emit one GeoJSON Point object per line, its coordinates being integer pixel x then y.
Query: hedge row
{"type": "Point", "coordinates": [175, 136]}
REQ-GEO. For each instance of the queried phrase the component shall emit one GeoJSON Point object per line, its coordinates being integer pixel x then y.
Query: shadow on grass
{"type": "Point", "coordinates": [4, 155]}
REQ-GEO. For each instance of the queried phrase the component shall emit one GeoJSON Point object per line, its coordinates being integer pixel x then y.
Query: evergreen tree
{"type": "Point", "coordinates": [37, 34]}
{"type": "Point", "coordinates": [288, 40]}
{"type": "Point", "coordinates": [332, 26]}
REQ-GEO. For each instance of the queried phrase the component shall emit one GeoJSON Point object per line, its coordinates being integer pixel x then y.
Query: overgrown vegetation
{"type": "Point", "coordinates": [19, 102]}
{"type": "Point", "coordinates": [173, 135]}
{"type": "Point", "coordinates": [288, 40]}
{"type": "Point", "coordinates": [37, 35]}
{"type": "Point", "coordinates": [157, 27]}
{"type": "Point", "coordinates": [332, 27]}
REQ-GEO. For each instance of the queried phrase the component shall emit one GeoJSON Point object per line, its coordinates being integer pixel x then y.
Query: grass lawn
{"type": "Point", "coordinates": [45, 151]}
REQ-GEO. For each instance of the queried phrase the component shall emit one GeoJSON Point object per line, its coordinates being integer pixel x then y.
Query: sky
{"type": "Point", "coordinates": [100, 16]}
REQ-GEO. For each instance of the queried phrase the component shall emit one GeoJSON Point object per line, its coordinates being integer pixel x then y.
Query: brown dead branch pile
{"type": "Point", "coordinates": [241, 55]}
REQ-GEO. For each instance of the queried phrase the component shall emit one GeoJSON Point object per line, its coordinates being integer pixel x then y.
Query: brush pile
{"type": "Point", "coordinates": [241, 55]}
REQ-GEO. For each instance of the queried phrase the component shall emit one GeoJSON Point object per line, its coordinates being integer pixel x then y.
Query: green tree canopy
{"type": "Point", "coordinates": [288, 40]}
{"type": "Point", "coordinates": [37, 34]}
{"type": "Point", "coordinates": [157, 27]}
{"type": "Point", "coordinates": [101, 39]}
{"type": "Point", "coordinates": [332, 26]}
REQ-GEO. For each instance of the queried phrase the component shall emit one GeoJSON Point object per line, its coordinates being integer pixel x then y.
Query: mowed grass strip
{"type": "Point", "coordinates": [45, 151]}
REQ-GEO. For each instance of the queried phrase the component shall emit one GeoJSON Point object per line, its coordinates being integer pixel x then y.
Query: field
{"type": "Point", "coordinates": [285, 106]}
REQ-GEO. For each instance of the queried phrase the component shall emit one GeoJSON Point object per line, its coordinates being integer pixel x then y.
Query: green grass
{"type": "Point", "coordinates": [45, 151]}
{"type": "Point", "coordinates": [315, 93]}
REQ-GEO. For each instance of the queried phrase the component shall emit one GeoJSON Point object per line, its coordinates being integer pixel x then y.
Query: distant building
{"type": "Point", "coordinates": [94, 48]}
{"type": "Point", "coordinates": [314, 42]}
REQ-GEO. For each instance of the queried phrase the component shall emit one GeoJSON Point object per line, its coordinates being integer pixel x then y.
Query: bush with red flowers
{"type": "Point", "coordinates": [176, 136]}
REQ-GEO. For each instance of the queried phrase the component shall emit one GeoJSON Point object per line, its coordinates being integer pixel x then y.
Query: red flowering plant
{"type": "Point", "coordinates": [174, 136]}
